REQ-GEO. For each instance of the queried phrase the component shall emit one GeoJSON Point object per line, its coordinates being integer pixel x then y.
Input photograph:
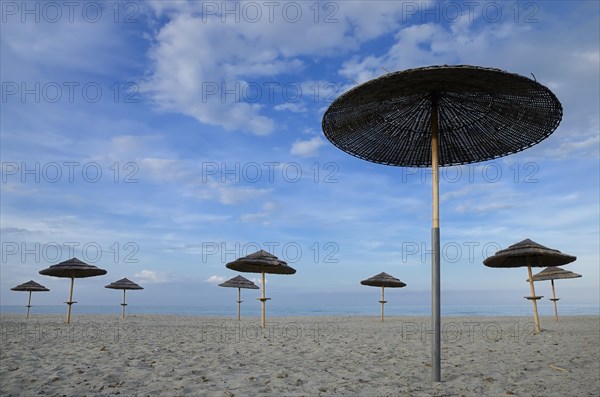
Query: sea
{"type": "Point", "coordinates": [447, 310]}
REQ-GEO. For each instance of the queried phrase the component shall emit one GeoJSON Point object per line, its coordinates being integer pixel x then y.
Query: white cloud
{"type": "Point", "coordinates": [161, 169]}
{"type": "Point", "coordinates": [153, 277]}
{"type": "Point", "coordinates": [237, 195]}
{"type": "Point", "coordinates": [263, 217]}
{"type": "Point", "coordinates": [308, 148]}
{"type": "Point", "coordinates": [258, 280]}
{"type": "Point", "coordinates": [585, 146]}
{"type": "Point", "coordinates": [203, 56]}
{"type": "Point", "coordinates": [292, 107]}
{"type": "Point", "coordinates": [214, 279]}
{"type": "Point", "coordinates": [474, 208]}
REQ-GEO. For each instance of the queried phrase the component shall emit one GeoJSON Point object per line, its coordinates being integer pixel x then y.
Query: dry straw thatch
{"type": "Point", "coordinates": [123, 284]}
{"type": "Point", "coordinates": [72, 268]}
{"type": "Point", "coordinates": [239, 282]}
{"type": "Point", "coordinates": [383, 280]}
{"type": "Point", "coordinates": [261, 262]}
{"type": "Point", "coordinates": [30, 286]}
{"type": "Point", "coordinates": [528, 253]}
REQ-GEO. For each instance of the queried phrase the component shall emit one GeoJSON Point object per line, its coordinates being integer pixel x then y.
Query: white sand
{"type": "Point", "coordinates": [172, 355]}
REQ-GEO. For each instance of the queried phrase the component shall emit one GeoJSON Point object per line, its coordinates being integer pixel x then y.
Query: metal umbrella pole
{"type": "Point", "coordinates": [435, 243]}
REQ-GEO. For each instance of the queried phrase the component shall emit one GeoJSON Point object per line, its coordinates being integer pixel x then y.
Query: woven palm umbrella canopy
{"type": "Point", "coordinates": [441, 116]}
{"type": "Point", "coordinates": [554, 273]}
{"type": "Point", "coordinates": [531, 254]}
{"type": "Point", "coordinates": [383, 280]}
{"type": "Point", "coordinates": [261, 262]}
{"type": "Point", "coordinates": [30, 286]}
{"type": "Point", "coordinates": [123, 284]}
{"type": "Point", "coordinates": [72, 268]}
{"type": "Point", "coordinates": [239, 282]}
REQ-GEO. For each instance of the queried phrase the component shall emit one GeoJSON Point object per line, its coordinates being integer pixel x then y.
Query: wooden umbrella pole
{"type": "Point", "coordinates": [554, 300]}
{"type": "Point", "coordinates": [263, 300]}
{"type": "Point", "coordinates": [70, 302]}
{"type": "Point", "coordinates": [239, 302]}
{"type": "Point", "coordinates": [435, 243]}
{"type": "Point", "coordinates": [382, 302]}
{"type": "Point", "coordinates": [538, 328]}
{"type": "Point", "coordinates": [29, 305]}
{"type": "Point", "coordinates": [123, 306]}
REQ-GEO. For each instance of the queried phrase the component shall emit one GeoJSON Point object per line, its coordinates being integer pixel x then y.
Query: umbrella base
{"type": "Point", "coordinates": [554, 299]}
{"type": "Point", "coordinates": [533, 297]}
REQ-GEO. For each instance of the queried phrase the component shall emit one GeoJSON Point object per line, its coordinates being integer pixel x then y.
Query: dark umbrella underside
{"type": "Point", "coordinates": [483, 114]}
{"type": "Point", "coordinates": [30, 286]}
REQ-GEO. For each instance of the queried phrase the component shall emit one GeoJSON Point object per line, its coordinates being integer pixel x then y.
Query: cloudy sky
{"type": "Point", "coordinates": [162, 140]}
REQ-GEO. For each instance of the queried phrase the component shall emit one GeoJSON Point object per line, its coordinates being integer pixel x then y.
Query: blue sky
{"type": "Point", "coordinates": [161, 140]}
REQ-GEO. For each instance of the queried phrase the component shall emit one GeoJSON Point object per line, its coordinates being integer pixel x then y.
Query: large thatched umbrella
{"type": "Point", "coordinates": [239, 282]}
{"type": "Point", "coordinates": [531, 254]}
{"type": "Point", "coordinates": [554, 273]}
{"type": "Point", "coordinates": [123, 284]}
{"type": "Point", "coordinates": [30, 286]}
{"type": "Point", "coordinates": [72, 268]}
{"type": "Point", "coordinates": [261, 262]}
{"type": "Point", "coordinates": [441, 116]}
{"type": "Point", "coordinates": [383, 280]}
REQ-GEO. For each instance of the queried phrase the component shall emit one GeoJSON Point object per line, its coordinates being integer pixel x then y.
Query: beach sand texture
{"type": "Point", "coordinates": [161, 355]}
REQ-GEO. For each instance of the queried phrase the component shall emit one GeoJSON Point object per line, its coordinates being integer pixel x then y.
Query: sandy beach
{"type": "Point", "coordinates": [161, 355]}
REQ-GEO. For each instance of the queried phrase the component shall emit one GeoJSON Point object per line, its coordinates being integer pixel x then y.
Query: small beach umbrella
{"type": "Point", "coordinates": [554, 273]}
{"type": "Point", "coordinates": [30, 286]}
{"type": "Point", "coordinates": [72, 268]}
{"type": "Point", "coordinates": [239, 282]}
{"type": "Point", "coordinates": [261, 262]}
{"type": "Point", "coordinates": [441, 116]}
{"type": "Point", "coordinates": [383, 280]}
{"type": "Point", "coordinates": [531, 254]}
{"type": "Point", "coordinates": [123, 284]}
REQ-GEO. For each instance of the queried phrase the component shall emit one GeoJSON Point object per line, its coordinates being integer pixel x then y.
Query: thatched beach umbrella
{"type": "Point", "coordinates": [554, 273]}
{"type": "Point", "coordinates": [441, 116]}
{"type": "Point", "coordinates": [30, 286]}
{"type": "Point", "coordinates": [261, 262]}
{"type": "Point", "coordinates": [239, 282]}
{"type": "Point", "coordinates": [123, 284]}
{"type": "Point", "coordinates": [383, 280]}
{"type": "Point", "coordinates": [531, 254]}
{"type": "Point", "coordinates": [72, 268]}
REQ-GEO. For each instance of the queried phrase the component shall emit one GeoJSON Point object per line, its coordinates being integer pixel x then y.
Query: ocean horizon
{"type": "Point", "coordinates": [447, 310]}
